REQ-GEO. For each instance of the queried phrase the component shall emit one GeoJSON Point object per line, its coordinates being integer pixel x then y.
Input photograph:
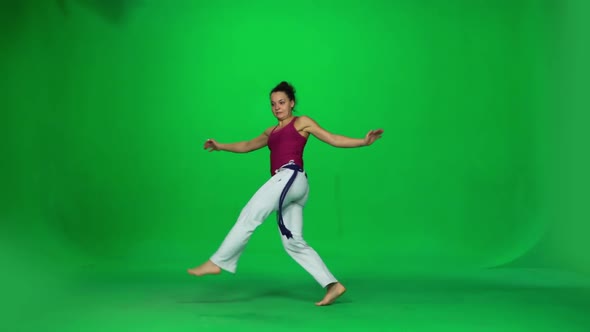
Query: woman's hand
{"type": "Point", "coordinates": [211, 145]}
{"type": "Point", "coordinates": [372, 136]}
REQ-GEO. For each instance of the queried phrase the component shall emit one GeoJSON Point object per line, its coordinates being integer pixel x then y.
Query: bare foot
{"type": "Point", "coordinates": [334, 291]}
{"type": "Point", "coordinates": [206, 268]}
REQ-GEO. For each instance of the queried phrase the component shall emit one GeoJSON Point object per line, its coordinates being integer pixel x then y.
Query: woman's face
{"type": "Point", "coordinates": [282, 106]}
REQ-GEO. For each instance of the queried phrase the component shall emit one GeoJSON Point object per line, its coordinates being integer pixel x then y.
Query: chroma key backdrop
{"type": "Point", "coordinates": [469, 214]}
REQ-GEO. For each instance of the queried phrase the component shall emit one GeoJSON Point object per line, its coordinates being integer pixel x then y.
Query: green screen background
{"type": "Point", "coordinates": [105, 109]}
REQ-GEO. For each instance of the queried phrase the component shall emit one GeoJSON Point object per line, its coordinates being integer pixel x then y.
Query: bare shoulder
{"type": "Point", "coordinates": [304, 121]}
{"type": "Point", "coordinates": [268, 130]}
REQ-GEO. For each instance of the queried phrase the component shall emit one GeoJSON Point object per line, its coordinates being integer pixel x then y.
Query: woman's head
{"type": "Point", "coordinates": [282, 100]}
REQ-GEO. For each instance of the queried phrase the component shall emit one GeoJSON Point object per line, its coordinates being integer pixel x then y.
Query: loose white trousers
{"type": "Point", "coordinates": [264, 202]}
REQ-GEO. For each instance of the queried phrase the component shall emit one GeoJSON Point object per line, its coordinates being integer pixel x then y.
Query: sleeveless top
{"type": "Point", "coordinates": [286, 144]}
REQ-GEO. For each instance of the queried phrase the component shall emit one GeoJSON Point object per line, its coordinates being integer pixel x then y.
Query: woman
{"type": "Point", "coordinates": [285, 192]}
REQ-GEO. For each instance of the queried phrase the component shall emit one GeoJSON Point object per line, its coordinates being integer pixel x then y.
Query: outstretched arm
{"type": "Point", "coordinates": [310, 126]}
{"type": "Point", "coordinates": [239, 147]}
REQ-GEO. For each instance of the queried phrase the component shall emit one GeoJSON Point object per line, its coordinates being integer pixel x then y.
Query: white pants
{"type": "Point", "coordinates": [261, 205]}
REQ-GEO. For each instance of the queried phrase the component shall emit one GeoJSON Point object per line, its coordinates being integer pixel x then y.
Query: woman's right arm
{"type": "Point", "coordinates": [239, 147]}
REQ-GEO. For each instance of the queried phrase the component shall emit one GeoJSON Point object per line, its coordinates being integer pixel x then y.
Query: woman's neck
{"type": "Point", "coordinates": [286, 121]}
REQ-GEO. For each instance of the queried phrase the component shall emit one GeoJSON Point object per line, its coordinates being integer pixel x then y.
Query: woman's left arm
{"type": "Point", "coordinates": [310, 126]}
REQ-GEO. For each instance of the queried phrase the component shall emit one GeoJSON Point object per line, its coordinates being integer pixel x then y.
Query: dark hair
{"type": "Point", "coordinates": [286, 88]}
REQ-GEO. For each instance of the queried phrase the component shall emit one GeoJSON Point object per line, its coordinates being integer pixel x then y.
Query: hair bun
{"type": "Point", "coordinates": [285, 87]}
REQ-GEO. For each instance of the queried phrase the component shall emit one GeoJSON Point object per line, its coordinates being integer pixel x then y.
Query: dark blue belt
{"type": "Point", "coordinates": [282, 227]}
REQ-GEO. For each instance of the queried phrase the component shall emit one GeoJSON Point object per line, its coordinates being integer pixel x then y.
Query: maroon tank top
{"type": "Point", "coordinates": [286, 144]}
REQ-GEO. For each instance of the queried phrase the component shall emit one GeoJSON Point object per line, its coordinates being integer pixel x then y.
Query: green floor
{"type": "Point", "coordinates": [164, 298]}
